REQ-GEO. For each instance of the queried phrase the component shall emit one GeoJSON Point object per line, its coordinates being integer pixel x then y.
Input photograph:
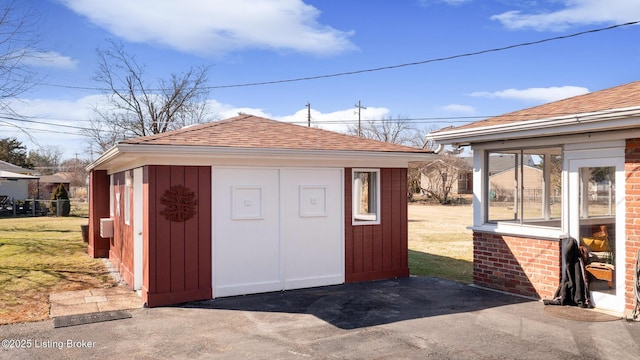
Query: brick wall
{"type": "Point", "coordinates": [632, 200]}
{"type": "Point", "coordinates": [529, 267]}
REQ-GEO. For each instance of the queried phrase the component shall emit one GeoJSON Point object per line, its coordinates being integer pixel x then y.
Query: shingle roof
{"type": "Point", "coordinates": [619, 97]}
{"type": "Point", "coordinates": [14, 168]}
{"type": "Point", "coordinates": [248, 131]}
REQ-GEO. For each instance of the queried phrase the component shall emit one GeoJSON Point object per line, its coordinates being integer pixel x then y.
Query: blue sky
{"type": "Point", "coordinates": [249, 41]}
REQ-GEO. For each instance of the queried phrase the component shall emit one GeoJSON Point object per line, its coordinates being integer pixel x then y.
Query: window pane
{"type": "Point", "coordinates": [365, 195]}
{"type": "Point", "coordinates": [502, 182]}
{"type": "Point", "coordinates": [523, 189]}
{"type": "Point", "coordinates": [597, 191]}
{"type": "Point", "coordinates": [555, 186]}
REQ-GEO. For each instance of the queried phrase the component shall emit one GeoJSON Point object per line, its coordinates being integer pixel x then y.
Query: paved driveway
{"type": "Point", "coordinates": [414, 318]}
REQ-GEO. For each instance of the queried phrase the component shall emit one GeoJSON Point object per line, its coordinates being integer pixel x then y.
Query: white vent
{"type": "Point", "coordinates": [106, 228]}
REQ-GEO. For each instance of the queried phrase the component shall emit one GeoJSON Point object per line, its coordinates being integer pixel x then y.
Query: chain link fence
{"type": "Point", "coordinates": [31, 207]}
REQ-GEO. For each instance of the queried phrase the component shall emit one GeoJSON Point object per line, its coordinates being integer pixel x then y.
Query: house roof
{"type": "Point", "coordinates": [606, 107]}
{"type": "Point", "coordinates": [6, 166]}
{"type": "Point", "coordinates": [9, 175]}
{"type": "Point", "coordinates": [249, 131]}
{"type": "Point", "coordinates": [53, 179]}
{"type": "Point", "coordinates": [249, 137]}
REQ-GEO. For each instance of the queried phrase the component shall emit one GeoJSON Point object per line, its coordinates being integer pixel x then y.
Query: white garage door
{"type": "Point", "coordinates": [276, 229]}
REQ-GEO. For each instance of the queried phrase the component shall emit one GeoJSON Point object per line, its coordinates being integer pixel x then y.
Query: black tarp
{"type": "Point", "coordinates": [574, 288]}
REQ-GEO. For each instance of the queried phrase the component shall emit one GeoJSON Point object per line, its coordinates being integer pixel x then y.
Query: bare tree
{"type": "Point", "coordinates": [440, 176]}
{"type": "Point", "coordinates": [75, 168]}
{"type": "Point", "coordinates": [137, 108]}
{"type": "Point", "coordinates": [18, 45]}
{"type": "Point", "coordinates": [46, 159]}
{"type": "Point", "coordinates": [392, 130]}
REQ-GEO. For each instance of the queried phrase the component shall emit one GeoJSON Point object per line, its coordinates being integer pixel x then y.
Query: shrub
{"type": "Point", "coordinates": [61, 194]}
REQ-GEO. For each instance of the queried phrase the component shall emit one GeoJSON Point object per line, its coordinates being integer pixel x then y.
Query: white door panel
{"type": "Point", "coordinates": [246, 246]}
{"type": "Point", "coordinates": [312, 227]}
{"type": "Point", "coordinates": [276, 229]}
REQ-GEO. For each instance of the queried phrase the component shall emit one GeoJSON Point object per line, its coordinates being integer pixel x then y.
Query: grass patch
{"type": "Point", "coordinates": [439, 243]}
{"type": "Point", "coordinates": [39, 255]}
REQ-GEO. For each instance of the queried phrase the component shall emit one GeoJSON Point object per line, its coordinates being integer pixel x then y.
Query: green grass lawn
{"type": "Point", "coordinates": [440, 245]}
{"type": "Point", "coordinates": [39, 255]}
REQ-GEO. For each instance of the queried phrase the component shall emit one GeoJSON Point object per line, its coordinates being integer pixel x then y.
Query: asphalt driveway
{"type": "Point", "coordinates": [414, 318]}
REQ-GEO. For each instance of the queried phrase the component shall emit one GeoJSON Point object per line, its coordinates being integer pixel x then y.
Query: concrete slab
{"type": "Point", "coordinates": [64, 295]}
{"type": "Point", "coordinates": [413, 318]}
{"type": "Point", "coordinates": [93, 300]}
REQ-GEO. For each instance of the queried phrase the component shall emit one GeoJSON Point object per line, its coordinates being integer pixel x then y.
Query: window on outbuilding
{"type": "Point", "coordinates": [127, 197]}
{"type": "Point", "coordinates": [366, 196]}
{"type": "Point", "coordinates": [524, 186]}
{"type": "Point", "coordinates": [111, 196]}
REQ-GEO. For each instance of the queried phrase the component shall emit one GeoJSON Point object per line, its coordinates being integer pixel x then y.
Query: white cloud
{"type": "Point", "coordinates": [542, 95]}
{"type": "Point", "coordinates": [217, 27]}
{"type": "Point", "coordinates": [52, 122]}
{"type": "Point", "coordinates": [574, 12]}
{"type": "Point", "coordinates": [461, 109]}
{"type": "Point", "coordinates": [338, 121]}
{"type": "Point", "coordinates": [50, 59]}
{"type": "Point", "coordinates": [53, 116]}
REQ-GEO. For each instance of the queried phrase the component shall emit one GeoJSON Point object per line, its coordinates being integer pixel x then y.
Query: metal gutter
{"type": "Point", "coordinates": [543, 127]}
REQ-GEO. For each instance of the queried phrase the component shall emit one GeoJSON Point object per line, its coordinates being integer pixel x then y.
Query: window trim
{"type": "Point", "coordinates": [112, 195]}
{"type": "Point", "coordinates": [128, 186]}
{"type": "Point", "coordinates": [354, 218]}
{"type": "Point", "coordinates": [520, 222]}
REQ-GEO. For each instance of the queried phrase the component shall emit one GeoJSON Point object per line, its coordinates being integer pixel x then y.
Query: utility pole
{"type": "Point", "coordinates": [308, 114]}
{"type": "Point", "coordinates": [360, 107]}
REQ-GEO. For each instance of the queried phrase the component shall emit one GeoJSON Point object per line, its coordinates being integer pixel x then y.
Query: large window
{"type": "Point", "coordinates": [524, 186]}
{"type": "Point", "coordinates": [366, 196]}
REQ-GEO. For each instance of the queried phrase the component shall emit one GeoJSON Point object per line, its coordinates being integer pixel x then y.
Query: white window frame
{"type": "Point", "coordinates": [112, 191]}
{"type": "Point", "coordinates": [369, 218]}
{"type": "Point", "coordinates": [481, 196]}
{"type": "Point", "coordinates": [128, 186]}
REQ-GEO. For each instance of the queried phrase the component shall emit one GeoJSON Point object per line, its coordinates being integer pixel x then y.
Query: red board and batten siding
{"type": "Point", "coordinates": [98, 208]}
{"type": "Point", "coordinates": [375, 252]}
{"type": "Point", "coordinates": [177, 254]}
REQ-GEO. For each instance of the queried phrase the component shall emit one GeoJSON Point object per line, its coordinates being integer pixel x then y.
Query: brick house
{"type": "Point", "coordinates": [248, 205]}
{"type": "Point", "coordinates": [587, 149]}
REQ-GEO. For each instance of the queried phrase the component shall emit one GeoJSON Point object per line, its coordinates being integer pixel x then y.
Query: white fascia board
{"type": "Point", "coordinates": [561, 125]}
{"type": "Point", "coordinates": [127, 156]}
{"type": "Point", "coordinates": [105, 157]}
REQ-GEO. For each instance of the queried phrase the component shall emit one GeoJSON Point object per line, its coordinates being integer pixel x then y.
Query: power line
{"type": "Point", "coordinates": [390, 67]}
{"type": "Point", "coordinates": [42, 122]}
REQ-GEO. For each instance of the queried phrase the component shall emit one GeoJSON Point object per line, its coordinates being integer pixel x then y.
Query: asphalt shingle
{"type": "Point", "coordinates": [619, 97]}
{"type": "Point", "coordinates": [248, 131]}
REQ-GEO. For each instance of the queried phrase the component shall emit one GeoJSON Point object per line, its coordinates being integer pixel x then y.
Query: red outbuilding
{"type": "Point", "coordinates": [248, 205]}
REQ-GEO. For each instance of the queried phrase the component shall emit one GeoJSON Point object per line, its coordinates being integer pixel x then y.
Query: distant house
{"type": "Point", "coordinates": [249, 205]}
{"type": "Point", "coordinates": [49, 184]}
{"type": "Point", "coordinates": [14, 181]}
{"type": "Point", "coordinates": [588, 144]}
{"type": "Point", "coordinates": [502, 184]}
{"type": "Point", "coordinates": [432, 172]}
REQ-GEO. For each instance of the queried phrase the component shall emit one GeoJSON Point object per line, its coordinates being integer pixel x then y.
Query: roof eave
{"type": "Point", "coordinates": [608, 120]}
{"type": "Point", "coordinates": [127, 153]}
